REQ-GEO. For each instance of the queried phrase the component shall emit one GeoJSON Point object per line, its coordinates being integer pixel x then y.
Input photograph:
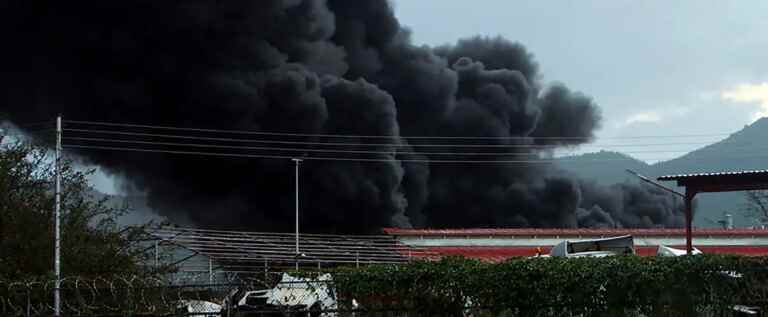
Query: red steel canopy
{"type": "Point", "coordinates": [711, 183]}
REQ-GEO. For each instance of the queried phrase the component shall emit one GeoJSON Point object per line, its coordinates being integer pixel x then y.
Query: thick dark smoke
{"type": "Point", "coordinates": [315, 67]}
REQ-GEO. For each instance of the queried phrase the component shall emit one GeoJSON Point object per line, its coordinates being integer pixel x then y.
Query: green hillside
{"type": "Point", "coordinates": [605, 167]}
{"type": "Point", "coordinates": [744, 150]}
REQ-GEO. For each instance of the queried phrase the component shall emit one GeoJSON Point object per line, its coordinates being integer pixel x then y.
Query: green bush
{"type": "Point", "coordinates": [612, 286]}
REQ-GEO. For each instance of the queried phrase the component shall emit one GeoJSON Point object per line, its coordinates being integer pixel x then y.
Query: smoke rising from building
{"type": "Point", "coordinates": [316, 67]}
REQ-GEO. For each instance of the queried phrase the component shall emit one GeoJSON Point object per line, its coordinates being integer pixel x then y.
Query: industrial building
{"type": "Point", "coordinates": [214, 255]}
{"type": "Point", "coordinates": [218, 256]}
{"type": "Point", "coordinates": [496, 245]}
{"type": "Point", "coordinates": [218, 252]}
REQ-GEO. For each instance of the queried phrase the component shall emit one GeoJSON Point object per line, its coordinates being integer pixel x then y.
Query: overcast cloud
{"type": "Point", "coordinates": [655, 67]}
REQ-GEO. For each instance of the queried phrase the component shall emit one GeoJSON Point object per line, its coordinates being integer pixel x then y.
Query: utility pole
{"type": "Point", "coordinates": [649, 181]}
{"type": "Point", "coordinates": [687, 199]}
{"type": "Point", "coordinates": [298, 254]}
{"type": "Point", "coordinates": [57, 224]}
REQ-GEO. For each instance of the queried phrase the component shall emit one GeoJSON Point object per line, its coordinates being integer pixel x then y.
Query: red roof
{"type": "Point", "coordinates": [499, 254]}
{"type": "Point", "coordinates": [572, 232]}
{"type": "Point", "coordinates": [488, 254]}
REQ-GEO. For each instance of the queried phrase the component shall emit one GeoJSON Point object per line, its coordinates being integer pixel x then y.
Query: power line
{"type": "Point", "coordinates": [275, 145]}
{"type": "Point", "coordinates": [198, 145]}
{"type": "Point", "coordinates": [369, 144]}
{"type": "Point", "coordinates": [378, 136]}
{"type": "Point", "coordinates": [540, 161]}
{"type": "Point", "coordinates": [297, 149]}
{"type": "Point", "coordinates": [305, 158]}
{"type": "Point", "coordinates": [293, 142]}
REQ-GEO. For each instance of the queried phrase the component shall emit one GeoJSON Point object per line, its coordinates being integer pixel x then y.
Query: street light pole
{"type": "Point", "coordinates": [687, 199]}
{"type": "Point", "coordinates": [57, 224]}
{"type": "Point", "coordinates": [298, 162]}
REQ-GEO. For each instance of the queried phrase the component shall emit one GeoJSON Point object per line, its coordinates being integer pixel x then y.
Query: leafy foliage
{"type": "Point", "coordinates": [92, 243]}
{"type": "Point", "coordinates": [615, 286]}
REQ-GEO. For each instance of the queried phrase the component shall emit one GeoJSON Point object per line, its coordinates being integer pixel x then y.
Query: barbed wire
{"type": "Point", "coordinates": [135, 295]}
{"type": "Point", "coordinates": [305, 294]}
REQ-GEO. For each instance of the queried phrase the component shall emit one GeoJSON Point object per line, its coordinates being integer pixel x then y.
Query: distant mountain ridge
{"type": "Point", "coordinates": [605, 167]}
{"type": "Point", "coordinates": [746, 149]}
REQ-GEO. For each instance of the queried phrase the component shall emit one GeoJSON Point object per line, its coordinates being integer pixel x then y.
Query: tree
{"type": "Point", "coordinates": [757, 205]}
{"type": "Point", "coordinates": [92, 242]}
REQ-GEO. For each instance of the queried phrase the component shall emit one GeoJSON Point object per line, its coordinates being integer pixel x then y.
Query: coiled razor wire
{"type": "Point", "coordinates": [122, 295]}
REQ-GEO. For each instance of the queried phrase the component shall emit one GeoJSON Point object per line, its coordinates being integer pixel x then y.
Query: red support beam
{"type": "Point", "coordinates": [711, 183]}
{"type": "Point", "coordinates": [689, 195]}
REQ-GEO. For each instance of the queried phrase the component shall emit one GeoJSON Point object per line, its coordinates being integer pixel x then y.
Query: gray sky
{"type": "Point", "coordinates": [654, 67]}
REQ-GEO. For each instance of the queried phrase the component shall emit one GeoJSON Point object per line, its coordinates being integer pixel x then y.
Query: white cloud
{"type": "Point", "coordinates": [643, 117]}
{"type": "Point", "coordinates": [750, 93]}
{"type": "Point", "coordinates": [665, 112]}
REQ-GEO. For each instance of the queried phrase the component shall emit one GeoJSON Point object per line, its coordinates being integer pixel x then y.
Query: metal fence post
{"type": "Point", "coordinates": [266, 271]}
{"type": "Point", "coordinates": [157, 254]}
{"type": "Point", "coordinates": [29, 304]}
{"type": "Point", "coordinates": [210, 271]}
{"type": "Point", "coordinates": [57, 224]}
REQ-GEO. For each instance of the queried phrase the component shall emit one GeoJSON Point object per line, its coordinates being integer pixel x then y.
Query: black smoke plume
{"type": "Point", "coordinates": [319, 67]}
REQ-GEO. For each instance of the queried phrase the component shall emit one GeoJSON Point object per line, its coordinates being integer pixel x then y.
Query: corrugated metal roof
{"type": "Point", "coordinates": [570, 232]}
{"type": "Point", "coordinates": [256, 247]}
{"type": "Point", "coordinates": [715, 174]}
